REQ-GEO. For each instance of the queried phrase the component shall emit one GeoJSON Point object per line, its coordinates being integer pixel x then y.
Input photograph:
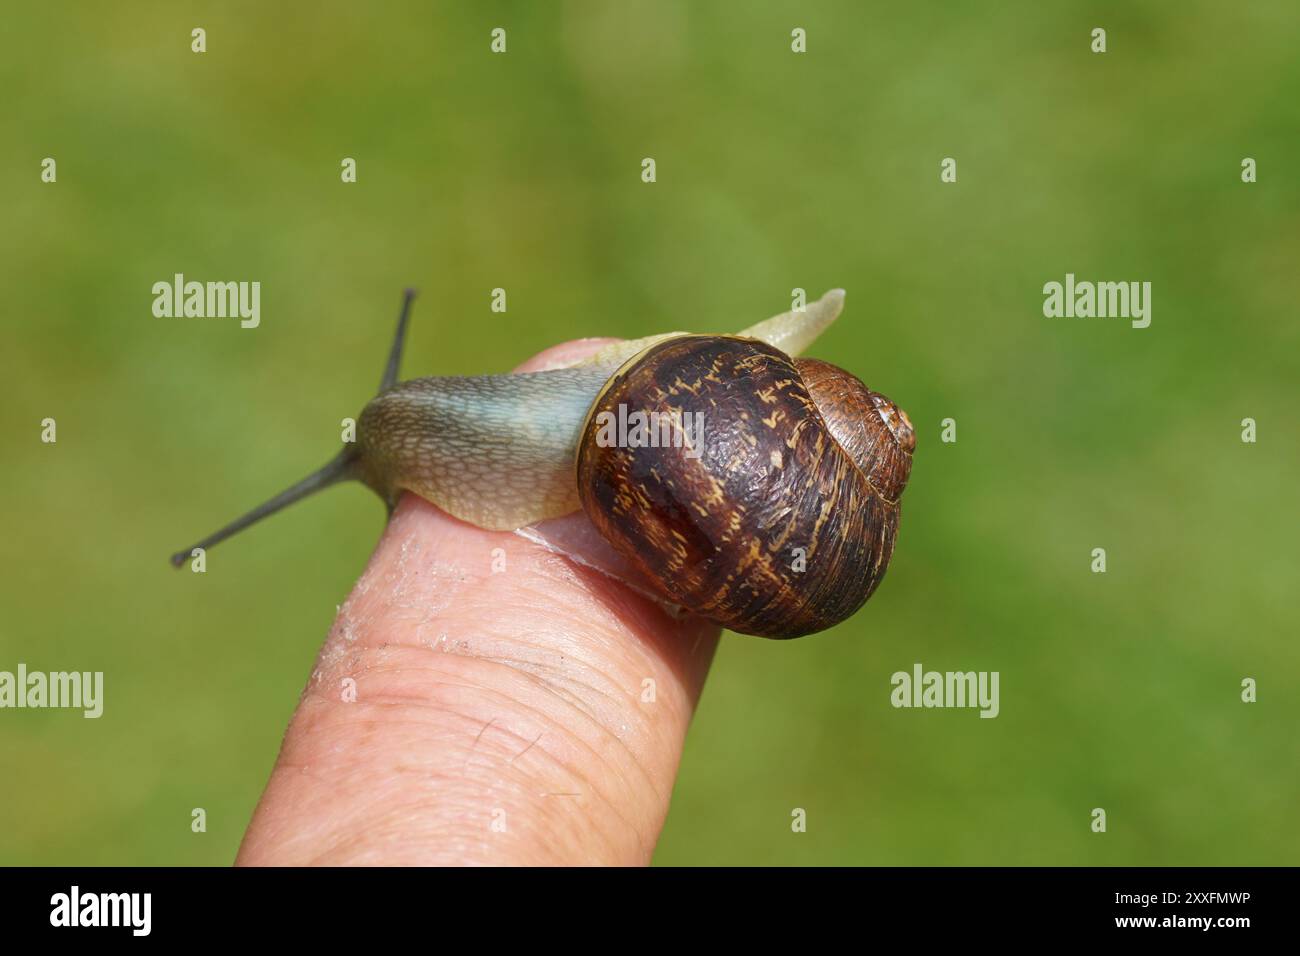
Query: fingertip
{"type": "Point", "coordinates": [566, 353]}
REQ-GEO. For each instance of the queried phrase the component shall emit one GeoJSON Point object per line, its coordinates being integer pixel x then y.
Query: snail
{"type": "Point", "coordinates": [776, 517]}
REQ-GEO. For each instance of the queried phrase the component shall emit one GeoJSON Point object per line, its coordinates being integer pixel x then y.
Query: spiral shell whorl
{"type": "Point", "coordinates": [719, 533]}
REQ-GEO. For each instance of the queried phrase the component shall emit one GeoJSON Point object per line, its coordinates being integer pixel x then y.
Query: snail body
{"type": "Point", "coordinates": [776, 517]}
{"type": "Point", "coordinates": [494, 450]}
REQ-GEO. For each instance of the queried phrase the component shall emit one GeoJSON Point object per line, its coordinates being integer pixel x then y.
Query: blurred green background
{"type": "Point", "coordinates": [775, 171]}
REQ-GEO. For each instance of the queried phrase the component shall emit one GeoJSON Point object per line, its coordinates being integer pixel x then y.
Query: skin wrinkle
{"type": "Point", "coordinates": [482, 732]}
{"type": "Point", "coordinates": [453, 843]}
{"type": "Point", "coordinates": [427, 819]}
{"type": "Point", "coordinates": [557, 671]}
{"type": "Point", "coordinates": [425, 810]}
{"type": "Point", "coordinates": [507, 790]}
{"type": "Point", "coordinates": [568, 730]}
{"type": "Point", "coordinates": [560, 678]}
{"type": "Point", "coordinates": [478, 691]}
{"type": "Point", "coordinates": [422, 692]}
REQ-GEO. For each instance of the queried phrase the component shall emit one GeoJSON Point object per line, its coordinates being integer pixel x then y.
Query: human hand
{"type": "Point", "coordinates": [498, 719]}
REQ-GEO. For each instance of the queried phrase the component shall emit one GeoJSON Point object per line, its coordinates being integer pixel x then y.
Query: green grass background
{"type": "Point", "coordinates": [775, 170]}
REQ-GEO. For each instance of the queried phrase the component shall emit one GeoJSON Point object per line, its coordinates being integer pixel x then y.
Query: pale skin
{"type": "Point", "coordinates": [499, 718]}
{"type": "Point", "coordinates": [462, 716]}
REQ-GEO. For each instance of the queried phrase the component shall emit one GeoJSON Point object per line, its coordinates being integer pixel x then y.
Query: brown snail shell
{"type": "Point", "coordinates": [796, 454]}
